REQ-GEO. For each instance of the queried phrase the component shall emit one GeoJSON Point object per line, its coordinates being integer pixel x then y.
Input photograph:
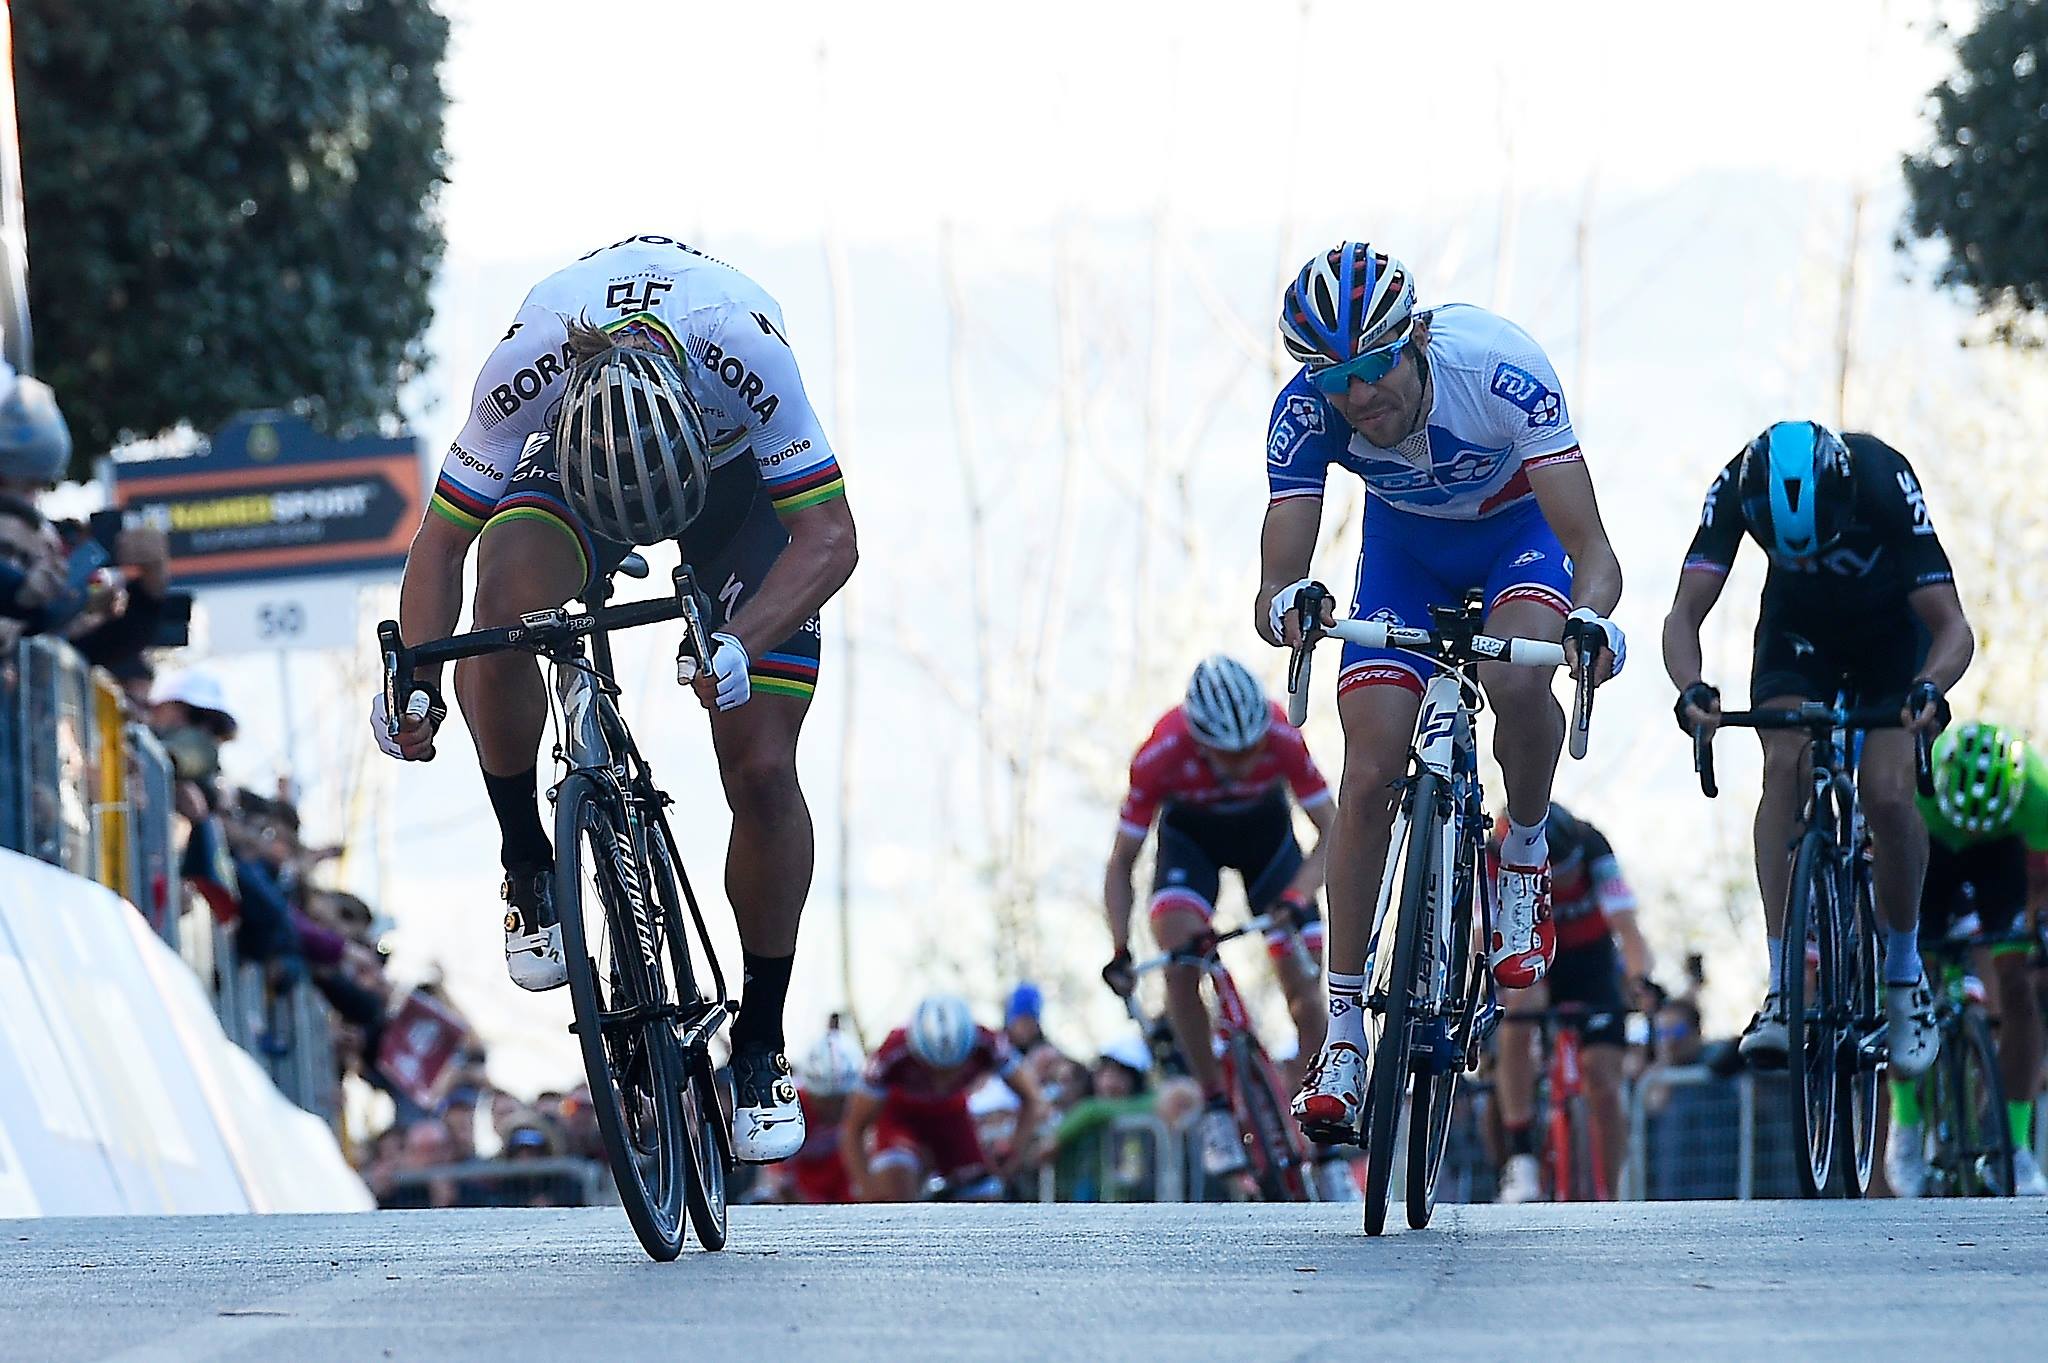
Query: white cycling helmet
{"type": "Point", "coordinates": [832, 1067]}
{"type": "Point", "coordinates": [942, 1031]}
{"type": "Point", "coordinates": [631, 447]}
{"type": "Point", "coordinates": [1226, 706]}
{"type": "Point", "coordinates": [1346, 301]}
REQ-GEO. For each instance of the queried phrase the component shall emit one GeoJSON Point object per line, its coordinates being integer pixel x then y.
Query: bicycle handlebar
{"type": "Point", "coordinates": [1167, 958]}
{"type": "Point", "coordinates": [1819, 720]}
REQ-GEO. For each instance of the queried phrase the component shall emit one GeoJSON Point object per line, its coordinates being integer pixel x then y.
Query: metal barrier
{"type": "Point", "coordinates": [560, 1182]}
{"type": "Point", "coordinates": [58, 751]}
{"type": "Point", "coordinates": [151, 807]}
{"type": "Point", "coordinates": [1129, 1157]}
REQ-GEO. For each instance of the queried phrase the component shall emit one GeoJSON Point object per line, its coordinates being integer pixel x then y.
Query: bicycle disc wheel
{"type": "Point", "coordinates": [1860, 1075]}
{"type": "Point", "coordinates": [1983, 1136]}
{"type": "Point", "coordinates": [1395, 976]}
{"type": "Point", "coordinates": [707, 1126]}
{"type": "Point", "coordinates": [629, 1050]}
{"type": "Point", "coordinates": [1811, 1042]}
{"type": "Point", "coordinates": [1277, 1164]}
{"type": "Point", "coordinates": [1436, 1096]}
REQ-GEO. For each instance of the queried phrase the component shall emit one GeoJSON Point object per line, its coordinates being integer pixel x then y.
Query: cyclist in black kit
{"type": "Point", "coordinates": [1860, 589]}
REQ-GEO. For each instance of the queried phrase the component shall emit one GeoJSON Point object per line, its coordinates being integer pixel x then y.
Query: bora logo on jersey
{"type": "Point", "coordinates": [734, 374]}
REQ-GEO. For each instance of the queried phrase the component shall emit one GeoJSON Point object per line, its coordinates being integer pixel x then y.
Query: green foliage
{"type": "Point", "coordinates": [230, 204]}
{"type": "Point", "coordinates": [1983, 184]}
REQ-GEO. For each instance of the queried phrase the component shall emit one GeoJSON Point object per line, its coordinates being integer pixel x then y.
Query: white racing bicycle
{"type": "Point", "coordinates": [1429, 997]}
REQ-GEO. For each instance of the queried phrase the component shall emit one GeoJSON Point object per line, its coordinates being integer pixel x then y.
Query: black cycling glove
{"type": "Point", "coordinates": [1698, 696]}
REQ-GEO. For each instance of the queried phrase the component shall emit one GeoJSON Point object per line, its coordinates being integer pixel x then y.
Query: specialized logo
{"type": "Point", "coordinates": [526, 385]}
{"type": "Point", "coordinates": [734, 374]}
{"type": "Point", "coordinates": [1526, 391]}
{"type": "Point", "coordinates": [1306, 412]}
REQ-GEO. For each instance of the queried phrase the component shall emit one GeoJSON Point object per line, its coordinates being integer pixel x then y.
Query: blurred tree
{"type": "Point", "coordinates": [1983, 184]}
{"type": "Point", "coordinates": [230, 204]}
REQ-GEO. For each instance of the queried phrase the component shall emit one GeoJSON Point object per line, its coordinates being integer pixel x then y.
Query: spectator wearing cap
{"type": "Point", "coordinates": [1022, 1015]}
{"type": "Point", "coordinates": [1123, 1069]}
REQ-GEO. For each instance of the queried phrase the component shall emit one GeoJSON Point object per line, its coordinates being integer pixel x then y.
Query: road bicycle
{"type": "Point", "coordinates": [1278, 1158]}
{"type": "Point", "coordinates": [1832, 979]}
{"type": "Point", "coordinates": [1429, 997]}
{"type": "Point", "coordinates": [1570, 1160]}
{"type": "Point", "coordinates": [1967, 1140]}
{"type": "Point", "coordinates": [642, 1020]}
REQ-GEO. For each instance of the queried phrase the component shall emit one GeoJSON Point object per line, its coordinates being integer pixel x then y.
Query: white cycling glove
{"type": "Point", "coordinates": [1283, 601]}
{"type": "Point", "coordinates": [729, 664]}
{"type": "Point", "coordinates": [1587, 621]}
{"type": "Point", "coordinates": [419, 707]}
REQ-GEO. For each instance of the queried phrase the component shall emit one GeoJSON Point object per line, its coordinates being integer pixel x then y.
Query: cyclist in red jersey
{"type": "Point", "coordinates": [1216, 774]}
{"type": "Point", "coordinates": [816, 1173]}
{"type": "Point", "coordinates": [913, 1099]}
{"type": "Point", "coordinates": [1603, 965]}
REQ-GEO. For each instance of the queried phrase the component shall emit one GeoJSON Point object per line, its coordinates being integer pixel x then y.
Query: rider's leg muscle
{"type": "Point", "coordinates": [1528, 728]}
{"type": "Point", "coordinates": [1884, 784]}
{"type": "Point", "coordinates": [770, 859]}
{"type": "Point", "coordinates": [1787, 765]}
{"type": "Point", "coordinates": [523, 564]}
{"type": "Point", "coordinates": [1379, 722]}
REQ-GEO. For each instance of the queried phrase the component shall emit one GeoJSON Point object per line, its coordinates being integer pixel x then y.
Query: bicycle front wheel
{"type": "Point", "coordinates": [616, 985]}
{"type": "Point", "coordinates": [706, 1124]}
{"type": "Point", "coordinates": [1436, 1095]}
{"type": "Point", "coordinates": [1812, 1029]}
{"type": "Point", "coordinates": [1860, 1072]}
{"type": "Point", "coordinates": [1979, 1136]}
{"type": "Point", "coordinates": [1395, 977]}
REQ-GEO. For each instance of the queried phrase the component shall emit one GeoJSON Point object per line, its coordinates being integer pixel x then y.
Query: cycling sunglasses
{"type": "Point", "coordinates": [1370, 367]}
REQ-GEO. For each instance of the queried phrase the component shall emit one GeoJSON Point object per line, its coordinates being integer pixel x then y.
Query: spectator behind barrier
{"type": "Point", "coordinates": [35, 442]}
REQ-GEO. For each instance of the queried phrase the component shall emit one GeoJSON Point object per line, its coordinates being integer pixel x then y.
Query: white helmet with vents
{"type": "Point", "coordinates": [1226, 707]}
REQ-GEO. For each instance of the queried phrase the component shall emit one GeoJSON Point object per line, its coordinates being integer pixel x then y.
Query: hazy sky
{"type": "Point", "coordinates": [1660, 194]}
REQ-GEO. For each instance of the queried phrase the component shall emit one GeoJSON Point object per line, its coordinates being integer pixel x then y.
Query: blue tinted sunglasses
{"type": "Point", "coordinates": [1370, 367]}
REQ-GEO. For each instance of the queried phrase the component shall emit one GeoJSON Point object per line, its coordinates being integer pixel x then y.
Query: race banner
{"type": "Point", "coordinates": [270, 497]}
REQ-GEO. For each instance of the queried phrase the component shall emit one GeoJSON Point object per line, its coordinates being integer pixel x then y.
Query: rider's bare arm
{"type": "Point", "coordinates": [1637, 962]}
{"type": "Point", "coordinates": [808, 572]}
{"type": "Point", "coordinates": [1309, 879]}
{"type": "Point", "coordinates": [1030, 1116]}
{"type": "Point", "coordinates": [862, 1110]}
{"type": "Point", "coordinates": [429, 605]}
{"type": "Point", "coordinates": [1951, 643]}
{"type": "Point", "coordinates": [1286, 545]}
{"type": "Point", "coordinates": [1698, 590]}
{"type": "Point", "coordinates": [1117, 895]}
{"type": "Point", "coordinates": [1564, 489]}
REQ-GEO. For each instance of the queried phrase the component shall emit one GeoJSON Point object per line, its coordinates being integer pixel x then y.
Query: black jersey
{"type": "Point", "coordinates": [1887, 550]}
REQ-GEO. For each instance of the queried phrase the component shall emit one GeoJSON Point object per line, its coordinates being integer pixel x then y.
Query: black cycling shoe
{"type": "Point", "coordinates": [767, 1122]}
{"type": "Point", "coordinates": [533, 934]}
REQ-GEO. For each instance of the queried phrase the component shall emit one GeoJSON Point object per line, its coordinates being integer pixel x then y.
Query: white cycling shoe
{"type": "Point", "coordinates": [1331, 1105]}
{"type": "Point", "coordinates": [1909, 1018]}
{"type": "Point", "coordinates": [1905, 1160]}
{"type": "Point", "coordinates": [2027, 1179]}
{"type": "Point", "coordinates": [1222, 1143]}
{"type": "Point", "coordinates": [1524, 942]}
{"type": "Point", "coordinates": [533, 936]}
{"type": "Point", "coordinates": [767, 1119]}
{"type": "Point", "coordinates": [1520, 1181]}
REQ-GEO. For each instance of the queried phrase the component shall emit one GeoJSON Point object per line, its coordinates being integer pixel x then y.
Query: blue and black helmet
{"type": "Point", "coordinates": [1345, 302]}
{"type": "Point", "coordinates": [1797, 488]}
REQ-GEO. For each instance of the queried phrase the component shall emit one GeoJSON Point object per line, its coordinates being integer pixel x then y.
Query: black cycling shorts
{"type": "Point", "coordinates": [1196, 846]}
{"type": "Point", "coordinates": [729, 547]}
{"type": "Point", "coordinates": [1975, 893]}
{"type": "Point", "coordinates": [1590, 976]}
{"type": "Point", "coordinates": [1800, 651]}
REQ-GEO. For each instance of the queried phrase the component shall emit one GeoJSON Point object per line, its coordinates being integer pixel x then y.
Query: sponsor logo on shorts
{"type": "Point", "coordinates": [1529, 557]}
{"type": "Point", "coordinates": [1386, 615]}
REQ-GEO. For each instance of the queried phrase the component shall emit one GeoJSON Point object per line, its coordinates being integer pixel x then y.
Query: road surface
{"type": "Point", "coordinates": [1782, 1280]}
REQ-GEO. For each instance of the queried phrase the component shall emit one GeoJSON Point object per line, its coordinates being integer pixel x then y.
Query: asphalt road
{"type": "Point", "coordinates": [1778, 1280]}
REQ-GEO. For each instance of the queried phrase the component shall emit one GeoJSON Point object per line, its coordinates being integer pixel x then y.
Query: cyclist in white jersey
{"type": "Point", "coordinates": [765, 526]}
{"type": "Point", "coordinates": [1454, 420]}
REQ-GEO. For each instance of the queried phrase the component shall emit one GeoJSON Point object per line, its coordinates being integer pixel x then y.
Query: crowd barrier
{"type": "Point", "coordinates": [561, 1182]}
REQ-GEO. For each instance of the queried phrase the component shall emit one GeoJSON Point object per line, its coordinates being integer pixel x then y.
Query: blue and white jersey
{"type": "Point", "coordinates": [1496, 413]}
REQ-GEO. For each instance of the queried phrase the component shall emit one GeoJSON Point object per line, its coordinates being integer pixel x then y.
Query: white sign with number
{"type": "Point", "coordinates": [298, 613]}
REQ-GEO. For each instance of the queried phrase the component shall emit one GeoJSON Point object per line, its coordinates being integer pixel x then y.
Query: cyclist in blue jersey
{"type": "Point", "coordinates": [1454, 420]}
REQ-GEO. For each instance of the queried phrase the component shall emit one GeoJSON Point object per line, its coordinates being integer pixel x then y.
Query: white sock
{"type": "Point", "coordinates": [1527, 845]}
{"type": "Point", "coordinates": [1347, 1010]}
{"type": "Point", "coordinates": [1775, 946]}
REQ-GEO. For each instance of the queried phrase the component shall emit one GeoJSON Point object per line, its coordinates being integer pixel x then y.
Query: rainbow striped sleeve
{"type": "Point", "coordinates": [458, 505]}
{"type": "Point", "coordinates": [784, 674]}
{"type": "Point", "coordinates": [808, 487]}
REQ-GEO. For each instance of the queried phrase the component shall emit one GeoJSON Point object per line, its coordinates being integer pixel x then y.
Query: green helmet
{"type": "Point", "coordinates": [1979, 776]}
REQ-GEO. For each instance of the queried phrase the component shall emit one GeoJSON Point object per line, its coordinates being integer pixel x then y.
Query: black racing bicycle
{"type": "Point", "coordinates": [642, 1020]}
{"type": "Point", "coordinates": [1832, 977]}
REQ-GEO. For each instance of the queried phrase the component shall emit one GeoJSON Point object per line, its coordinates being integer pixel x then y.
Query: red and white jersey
{"type": "Point", "coordinates": [1172, 769]}
{"type": "Point", "coordinates": [894, 1071]}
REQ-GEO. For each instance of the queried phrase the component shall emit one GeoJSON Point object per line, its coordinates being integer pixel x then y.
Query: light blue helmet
{"type": "Point", "coordinates": [35, 444]}
{"type": "Point", "coordinates": [942, 1031]}
{"type": "Point", "coordinates": [1797, 488]}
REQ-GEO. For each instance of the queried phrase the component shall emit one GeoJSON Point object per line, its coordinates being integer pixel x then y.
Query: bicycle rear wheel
{"type": "Point", "coordinates": [707, 1126]}
{"type": "Point", "coordinates": [1394, 980]}
{"type": "Point", "coordinates": [1860, 1075]}
{"type": "Point", "coordinates": [617, 988]}
{"type": "Point", "coordinates": [1812, 1040]}
{"type": "Point", "coordinates": [1436, 1095]}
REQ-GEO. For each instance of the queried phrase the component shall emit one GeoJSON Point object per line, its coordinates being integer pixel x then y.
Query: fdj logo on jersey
{"type": "Point", "coordinates": [734, 374]}
{"type": "Point", "coordinates": [1529, 393]}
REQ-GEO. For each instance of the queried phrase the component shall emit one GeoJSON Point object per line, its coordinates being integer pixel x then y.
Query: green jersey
{"type": "Point", "coordinates": [2029, 821]}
